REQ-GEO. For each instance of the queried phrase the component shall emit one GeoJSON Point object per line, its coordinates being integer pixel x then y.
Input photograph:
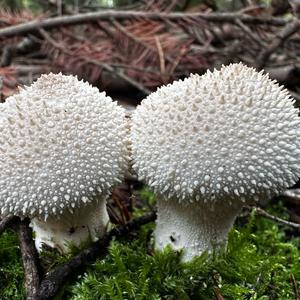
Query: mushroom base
{"type": "Point", "coordinates": [195, 227]}
{"type": "Point", "coordinates": [87, 223]}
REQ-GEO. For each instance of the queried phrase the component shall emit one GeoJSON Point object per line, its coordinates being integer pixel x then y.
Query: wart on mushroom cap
{"type": "Point", "coordinates": [63, 146]}
{"type": "Point", "coordinates": [210, 143]}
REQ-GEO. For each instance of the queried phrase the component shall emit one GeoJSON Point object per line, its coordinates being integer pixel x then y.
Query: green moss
{"type": "Point", "coordinates": [262, 262]}
{"type": "Point", "coordinates": [258, 264]}
{"type": "Point", "coordinates": [11, 269]}
{"type": "Point", "coordinates": [148, 197]}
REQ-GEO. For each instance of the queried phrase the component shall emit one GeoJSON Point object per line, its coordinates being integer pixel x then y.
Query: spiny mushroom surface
{"type": "Point", "coordinates": [210, 143]}
{"type": "Point", "coordinates": [63, 146]}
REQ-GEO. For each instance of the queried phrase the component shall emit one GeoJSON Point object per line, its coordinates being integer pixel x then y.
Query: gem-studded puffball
{"type": "Point", "coordinates": [63, 144]}
{"type": "Point", "coordinates": [230, 134]}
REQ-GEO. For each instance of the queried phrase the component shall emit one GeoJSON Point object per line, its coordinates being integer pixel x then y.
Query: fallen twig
{"type": "Point", "coordinates": [58, 277]}
{"type": "Point", "coordinates": [35, 26]}
{"type": "Point", "coordinates": [218, 294]}
{"type": "Point", "coordinates": [161, 56]}
{"type": "Point", "coordinates": [30, 257]}
{"type": "Point", "coordinates": [249, 32]}
{"type": "Point", "coordinates": [295, 288]}
{"type": "Point", "coordinates": [261, 212]}
{"type": "Point", "coordinates": [288, 31]}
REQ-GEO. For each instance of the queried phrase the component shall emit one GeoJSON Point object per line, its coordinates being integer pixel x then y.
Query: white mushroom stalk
{"type": "Point", "coordinates": [63, 147]}
{"type": "Point", "coordinates": [209, 144]}
{"type": "Point", "coordinates": [85, 224]}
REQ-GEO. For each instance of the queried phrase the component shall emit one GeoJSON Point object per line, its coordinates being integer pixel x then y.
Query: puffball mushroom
{"type": "Point", "coordinates": [209, 144]}
{"type": "Point", "coordinates": [63, 146]}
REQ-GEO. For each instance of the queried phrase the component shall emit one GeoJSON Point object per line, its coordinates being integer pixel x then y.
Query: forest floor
{"type": "Point", "coordinates": [262, 261]}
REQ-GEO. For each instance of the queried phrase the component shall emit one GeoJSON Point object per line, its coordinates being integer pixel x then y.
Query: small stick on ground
{"type": "Point", "coordinates": [288, 31]}
{"type": "Point", "coordinates": [259, 211]}
{"type": "Point", "coordinates": [218, 294]}
{"type": "Point", "coordinates": [56, 278]}
{"type": "Point", "coordinates": [30, 259]}
{"type": "Point", "coordinates": [35, 25]}
{"type": "Point", "coordinates": [295, 288]}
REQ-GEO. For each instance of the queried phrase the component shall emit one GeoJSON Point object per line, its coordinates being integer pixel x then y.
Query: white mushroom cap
{"type": "Point", "coordinates": [228, 135]}
{"type": "Point", "coordinates": [63, 144]}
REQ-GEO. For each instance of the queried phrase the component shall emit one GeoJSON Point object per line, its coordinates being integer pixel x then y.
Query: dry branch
{"type": "Point", "coordinates": [287, 32]}
{"type": "Point", "coordinates": [35, 26]}
{"type": "Point", "coordinates": [261, 212]}
{"type": "Point", "coordinates": [30, 259]}
{"type": "Point", "coordinates": [249, 33]}
{"type": "Point", "coordinates": [295, 288]}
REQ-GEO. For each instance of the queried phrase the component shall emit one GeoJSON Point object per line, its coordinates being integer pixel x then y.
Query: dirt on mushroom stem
{"type": "Point", "coordinates": [194, 227]}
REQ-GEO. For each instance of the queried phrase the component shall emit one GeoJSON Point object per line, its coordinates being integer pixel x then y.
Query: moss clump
{"type": "Point", "coordinates": [262, 262]}
{"type": "Point", "coordinates": [11, 268]}
{"type": "Point", "coordinates": [258, 264]}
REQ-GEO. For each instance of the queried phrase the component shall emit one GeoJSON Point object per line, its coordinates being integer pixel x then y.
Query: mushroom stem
{"type": "Point", "coordinates": [87, 223]}
{"type": "Point", "coordinates": [195, 227]}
